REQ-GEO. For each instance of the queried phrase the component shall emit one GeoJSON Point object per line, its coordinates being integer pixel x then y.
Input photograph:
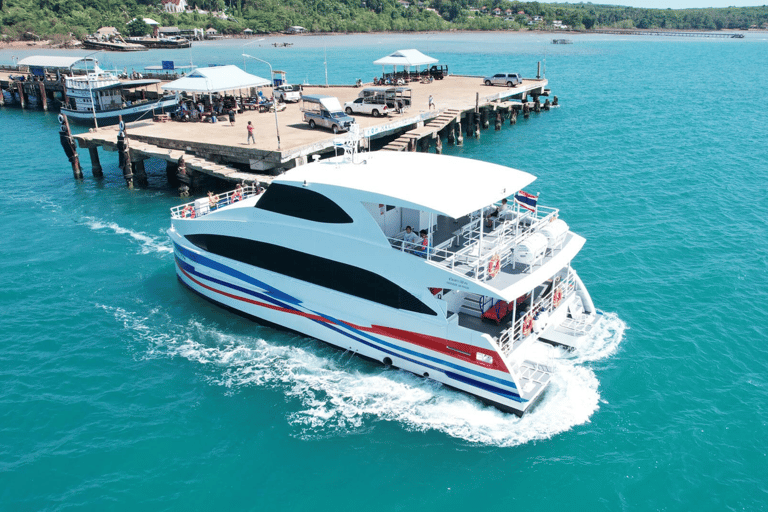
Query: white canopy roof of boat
{"type": "Point", "coordinates": [445, 185]}
{"type": "Point", "coordinates": [216, 79]}
{"type": "Point", "coordinates": [47, 61]}
{"type": "Point", "coordinates": [405, 58]}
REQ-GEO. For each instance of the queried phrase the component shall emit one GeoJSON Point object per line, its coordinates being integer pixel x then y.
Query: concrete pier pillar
{"type": "Point", "coordinates": [171, 168]}
{"type": "Point", "coordinates": [498, 120]}
{"type": "Point", "coordinates": [43, 97]}
{"type": "Point", "coordinates": [459, 136]}
{"type": "Point", "coordinates": [554, 101]}
{"type": "Point", "coordinates": [513, 117]}
{"type": "Point", "coordinates": [484, 119]}
{"type": "Point", "coordinates": [95, 163]}
{"type": "Point", "coordinates": [424, 145]}
{"type": "Point", "coordinates": [476, 126]}
{"type": "Point", "coordinates": [451, 133]}
{"type": "Point", "coordinates": [546, 104]}
{"type": "Point", "coordinates": [439, 145]}
{"type": "Point", "coordinates": [140, 173]}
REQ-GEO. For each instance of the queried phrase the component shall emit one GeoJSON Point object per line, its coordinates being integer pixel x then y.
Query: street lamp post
{"type": "Point", "coordinates": [243, 51]}
{"type": "Point", "coordinates": [277, 127]}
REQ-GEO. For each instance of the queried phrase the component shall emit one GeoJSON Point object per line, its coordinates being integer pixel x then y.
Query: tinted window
{"type": "Point", "coordinates": [312, 269]}
{"type": "Point", "coordinates": [302, 203]}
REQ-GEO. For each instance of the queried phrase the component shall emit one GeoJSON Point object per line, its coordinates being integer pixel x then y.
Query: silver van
{"type": "Point", "coordinates": [325, 111]}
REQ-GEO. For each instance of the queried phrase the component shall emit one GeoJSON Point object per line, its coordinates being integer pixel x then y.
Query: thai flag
{"type": "Point", "coordinates": [526, 200]}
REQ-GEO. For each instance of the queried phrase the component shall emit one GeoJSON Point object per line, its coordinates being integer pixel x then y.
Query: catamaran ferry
{"type": "Point", "coordinates": [325, 251]}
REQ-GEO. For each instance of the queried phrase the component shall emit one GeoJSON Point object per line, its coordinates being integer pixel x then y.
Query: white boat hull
{"type": "Point", "coordinates": [340, 320]}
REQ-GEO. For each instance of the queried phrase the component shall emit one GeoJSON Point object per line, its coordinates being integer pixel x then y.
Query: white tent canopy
{"type": "Point", "coordinates": [216, 79]}
{"type": "Point", "coordinates": [406, 59]}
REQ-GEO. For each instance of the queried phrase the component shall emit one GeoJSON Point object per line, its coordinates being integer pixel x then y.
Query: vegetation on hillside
{"type": "Point", "coordinates": [46, 18]}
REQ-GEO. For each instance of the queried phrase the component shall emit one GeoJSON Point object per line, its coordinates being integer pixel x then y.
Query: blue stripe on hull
{"type": "Point", "coordinates": [337, 325]}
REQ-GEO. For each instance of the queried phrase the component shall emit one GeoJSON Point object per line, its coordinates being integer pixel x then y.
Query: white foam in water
{"type": "Point", "coordinates": [149, 243]}
{"type": "Point", "coordinates": [337, 397]}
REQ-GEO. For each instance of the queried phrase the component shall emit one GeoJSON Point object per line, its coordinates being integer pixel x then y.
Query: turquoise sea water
{"type": "Point", "coordinates": [120, 390]}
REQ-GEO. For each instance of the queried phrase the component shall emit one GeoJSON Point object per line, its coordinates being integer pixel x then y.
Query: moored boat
{"type": "Point", "coordinates": [102, 95]}
{"type": "Point", "coordinates": [325, 252]}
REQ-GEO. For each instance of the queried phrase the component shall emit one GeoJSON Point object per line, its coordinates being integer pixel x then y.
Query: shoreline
{"type": "Point", "coordinates": [46, 44]}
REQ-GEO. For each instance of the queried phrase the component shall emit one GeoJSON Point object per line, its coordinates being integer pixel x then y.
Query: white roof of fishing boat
{"type": "Point", "coordinates": [216, 79]}
{"type": "Point", "coordinates": [47, 61]}
{"type": "Point", "coordinates": [446, 185]}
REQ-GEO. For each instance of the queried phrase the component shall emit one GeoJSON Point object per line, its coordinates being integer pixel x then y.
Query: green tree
{"type": "Point", "coordinates": [138, 28]}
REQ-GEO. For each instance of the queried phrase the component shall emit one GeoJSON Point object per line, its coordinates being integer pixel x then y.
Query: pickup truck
{"type": "Point", "coordinates": [508, 79]}
{"type": "Point", "coordinates": [373, 105]}
{"type": "Point", "coordinates": [287, 92]}
{"type": "Point", "coordinates": [325, 111]}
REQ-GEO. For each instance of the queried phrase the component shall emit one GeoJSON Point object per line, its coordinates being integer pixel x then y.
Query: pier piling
{"type": "Point", "coordinates": [95, 163]}
{"type": "Point", "coordinates": [43, 97]}
{"type": "Point", "coordinates": [140, 173]}
{"type": "Point", "coordinates": [68, 143]}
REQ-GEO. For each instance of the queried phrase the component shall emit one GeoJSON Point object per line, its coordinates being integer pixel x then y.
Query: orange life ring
{"type": "Point", "coordinates": [494, 265]}
{"type": "Point", "coordinates": [188, 211]}
{"type": "Point", "coordinates": [527, 325]}
{"type": "Point", "coordinates": [557, 297]}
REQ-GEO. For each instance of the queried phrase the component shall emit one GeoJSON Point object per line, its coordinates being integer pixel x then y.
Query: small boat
{"type": "Point", "coordinates": [325, 252]}
{"type": "Point", "coordinates": [102, 95]}
{"type": "Point", "coordinates": [562, 41]}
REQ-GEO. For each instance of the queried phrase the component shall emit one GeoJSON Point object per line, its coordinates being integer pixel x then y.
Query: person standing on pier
{"type": "Point", "coordinates": [250, 133]}
{"type": "Point", "coordinates": [431, 102]}
{"type": "Point", "coordinates": [232, 117]}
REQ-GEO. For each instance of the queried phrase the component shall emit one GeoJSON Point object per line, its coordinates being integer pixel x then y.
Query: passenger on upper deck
{"type": "Point", "coordinates": [423, 249]}
{"type": "Point", "coordinates": [410, 239]}
{"type": "Point", "coordinates": [497, 213]}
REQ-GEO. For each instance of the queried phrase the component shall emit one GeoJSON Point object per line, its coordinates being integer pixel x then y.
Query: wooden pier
{"type": "Point", "coordinates": [674, 33]}
{"type": "Point", "coordinates": [463, 104]}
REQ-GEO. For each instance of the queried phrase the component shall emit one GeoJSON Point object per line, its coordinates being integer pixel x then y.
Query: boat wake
{"type": "Point", "coordinates": [149, 244]}
{"type": "Point", "coordinates": [336, 393]}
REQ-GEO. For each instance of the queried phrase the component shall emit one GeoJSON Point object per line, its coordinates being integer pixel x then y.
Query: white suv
{"type": "Point", "coordinates": [508, 79]}
{"type": "Point", "coordinates": [374, 105]}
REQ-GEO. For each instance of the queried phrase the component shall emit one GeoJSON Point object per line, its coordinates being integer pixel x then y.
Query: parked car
{"type": "Point", "coordinates": [373, 105]}
{"type": "Point", "coordinates": [508, 79]}
{"type": "Point", "coordinates": [287, 92]}
{"type": "Point", "coordinates": [325, 111]}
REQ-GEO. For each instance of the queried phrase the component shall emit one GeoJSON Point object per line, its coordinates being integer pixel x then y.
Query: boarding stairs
{"type": "Point", "coordinates": [428, 130]}
{"type": "Point", "coordinates": [140, 150]}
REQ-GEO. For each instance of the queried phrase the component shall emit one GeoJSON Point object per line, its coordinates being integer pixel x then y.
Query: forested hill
{"type": "Point", "coordinates": [47, 18]}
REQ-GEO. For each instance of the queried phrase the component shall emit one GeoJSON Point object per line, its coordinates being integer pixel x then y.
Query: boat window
{"type": "Point", "coordinates": [313, 269]}
{"type": "Point", "coordinates": [302, 203]}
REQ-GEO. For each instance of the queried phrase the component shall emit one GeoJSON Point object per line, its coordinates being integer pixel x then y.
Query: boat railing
{"type": "Point", "coordinates": [478, 249]}
{"type": "Point", "coordinates": [204, 206]}
{"type": "Point", "coordinates": [525, 326]}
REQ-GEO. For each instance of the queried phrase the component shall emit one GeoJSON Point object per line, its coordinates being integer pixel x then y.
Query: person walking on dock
{"type": "Point", "coordinates": [431, 102]}
{"type": "Point", "coordinates": [232, 117]}
{"type": "Point", "coordinates": [250, 133]}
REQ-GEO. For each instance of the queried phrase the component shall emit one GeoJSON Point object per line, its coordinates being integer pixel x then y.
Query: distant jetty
{"type": "Point", "coordinates": [725, 35]}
